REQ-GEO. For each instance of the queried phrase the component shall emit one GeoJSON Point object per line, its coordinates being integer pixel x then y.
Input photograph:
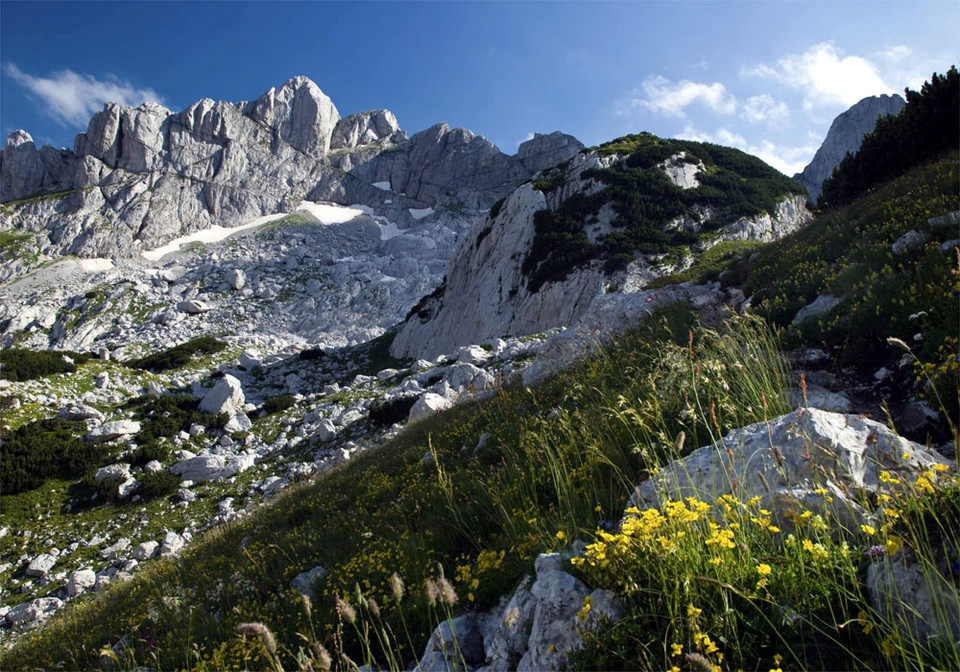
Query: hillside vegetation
{"type": "Point", "coordinates": [467, 499]}
{"type": "Point", "coordinates": [926, 127]}
{"type": "Point", "coordinates": [732, 185]}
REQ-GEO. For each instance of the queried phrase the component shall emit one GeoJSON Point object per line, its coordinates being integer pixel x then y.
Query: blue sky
{"type": "Point", "coordinates": [767, 77]}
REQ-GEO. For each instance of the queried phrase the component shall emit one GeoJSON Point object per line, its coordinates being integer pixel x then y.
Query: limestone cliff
{"type": "Point", "coordinates": [845, 135]}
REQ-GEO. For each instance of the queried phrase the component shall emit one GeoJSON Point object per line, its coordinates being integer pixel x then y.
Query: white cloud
{"type": "Point", "coordinates": [528, 136]}
{"type": "Point", "coordinates": [665, 97]}
{"type": "Point", "coordinates": [71, 99]}
{"type": "Point", "coordinates": [764, 108]}
{"type": "Point", "coordinates": [825, 76]}
{"type": "Point", "coordinates": [788, 160]}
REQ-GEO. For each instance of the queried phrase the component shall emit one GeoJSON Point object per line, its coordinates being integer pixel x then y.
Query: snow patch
{"type": "Point", "coordinates": [420, 213]}
{"type": "Point", "coordinates": [95, 265]}
{"type": "Point", "coordinates": [324, 213]}
{"type": "Point", "coordinates": [389, 230]}
{"type": "Point", "coordinates": [385, 186]}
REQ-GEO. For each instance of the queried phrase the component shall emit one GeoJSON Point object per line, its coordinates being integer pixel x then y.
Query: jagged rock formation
{"type": "Point", "coordinates": [845, 135]}
{"type": "Point", "coordinates": [489, 292]}
{"type": "Point", "coordinates": [139, 177]}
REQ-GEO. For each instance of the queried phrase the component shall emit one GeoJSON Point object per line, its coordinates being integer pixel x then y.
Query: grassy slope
{"type": "Point", "coordinates": [560, 459]}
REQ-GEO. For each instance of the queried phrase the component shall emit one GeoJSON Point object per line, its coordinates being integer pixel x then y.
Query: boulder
{"type": "Point", "coordinates": [225, 397]}
{"type": "Point", "coordinates": [304, 582]}
{"type": "Point", "coordinates": [809, 459]}
{"type": "Point", "coordinates": [427, 405]}
{"type": "Point", "coordinates": [119, 471]}
{"type": "Point", "coordinates": [41, 565]}
{"type": "Point", "coordinates": [171, 545]}
{"type": "Point", "coordinates": [822, 305]}
{"type": "Point", "coordinates": [238, 422]}
{"type": "Point", "coordinates": [193, 307]}
{"type": "Point", "coordinates": [911, 240]}
{"type": "Point", "coordinates": [212, 467]}
{"type": "Point", "coordinates": [81, 581]}
{"type": "Point", "coordinates": [145, 551]}
{"type": "Point", "coordinates": [79, 412]}
{"type": "Point", "coordinates": [473, 354]}
{"type": "Point", "coordinates": [110, 431]}
{"type": "Point", "coordinates": [236, 278]}
{"type": "Point", "coordinates": [37, 610]}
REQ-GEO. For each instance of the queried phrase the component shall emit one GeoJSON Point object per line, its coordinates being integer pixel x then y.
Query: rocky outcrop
{"type": "Point", "coordinates": [488, 292]}
{"type": "Point", "coordinates": [366, 128]}
{"type": "Point", "coordinates": [547, 149]}
{"type": "Point", "coordinates": [845, 135]}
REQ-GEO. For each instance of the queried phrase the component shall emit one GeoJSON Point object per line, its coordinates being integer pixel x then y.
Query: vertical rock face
{"type": "Point", "coordinates": [845, 135]}
{"type": "Point", "coordinates": [300, 113]}
{"type": "Point", "coordinates": [545, 150]}
{"type": "Point", "coordinates": [489, 293]}
{"type": "Point", "coordinates": [366, 128]}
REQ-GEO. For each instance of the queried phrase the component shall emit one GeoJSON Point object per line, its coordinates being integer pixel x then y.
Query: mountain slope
{"type": "Point", "coordinates": [613, 218]}
{"type": "Point", "coordinates": [844, 137]}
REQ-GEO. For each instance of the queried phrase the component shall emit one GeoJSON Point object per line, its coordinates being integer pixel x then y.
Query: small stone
{"type": "Point", "coordinates": [41, 565]}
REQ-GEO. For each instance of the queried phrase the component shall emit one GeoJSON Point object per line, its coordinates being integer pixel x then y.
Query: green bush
{"type": "Point", "coordinates": [18, 364]}
{"type": "Point", "coordinates": [733, 185]}
{"type": "Point", "coordinates": [277, 404]}
{"type": "Point", "coordinates": [157, 484]}
{"type": "Point", "coordinates": [45, 449]}
{"type": "Point", "coordinates": [168, 415]}
{"type": "Point", "coordinates": [178, 356]}
{"type": "Point", "coordinates": [152, 450]}
{"type": "Point", "coordinates": [926, 127]}
{"type": "Point", "coordinates": [386, 413]}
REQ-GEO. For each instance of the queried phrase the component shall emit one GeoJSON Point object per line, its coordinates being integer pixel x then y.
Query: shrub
{"type": "Point", "coordinates": [386, 413]}
{"type": "Point", "coordinates": [18, 364]}
{"type": "Point", "coordinates": [179, 355]}
{"type": "Point", "coordinates": [276, 404]}
{"type": "Point", "coordinates": [45, 449]}
{"type": "Point", "coordinates": [153, 450]}
{"type": "Point", "coordinates": [157, 484]}
{"type": "Point", "coordinates": [167, 415]}
{"type": "Point", "coordinates": [926, 127]}
{"type": "Point", "coordinates": [312, 353]}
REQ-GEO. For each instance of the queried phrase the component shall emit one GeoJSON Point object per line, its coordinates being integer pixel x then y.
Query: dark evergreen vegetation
{"type": "Point", "coordinates": [45, 449]}
{"type": "Point", "coordinates": [17, 364]}
{"type": "Point", "coordinates": [926, 127]}
{"type": "Point", "coordinates": [732, 185]}
{"type": "Point", "coordinates": [179, 355]}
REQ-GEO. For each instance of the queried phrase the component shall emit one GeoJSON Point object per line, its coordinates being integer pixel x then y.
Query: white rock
{"type": "Point", "coordinates": [102, 380]}
{"type": "Point", "coordinates": [110, 431]}
{"type": "Point", "coordinates": [882, 374]}
{"type": "Point", "coordinates": [225, 397]}
{"type": "Point", "coordinates": [152, 467]}
{"type": "Point", "coordinates": [911, 240]}
{"type": "Point", "coordinates": [80, 581]}
{"type": "Point", "coordinates": [250, 360]}
{"type": "Point", "coordinates": [171, 545]}
{"type": "Point", "coordinates": [473, 354]}
{"type": "Point", "coordinates": [236, 278]}
{"type": "Point", "coordinates": [238, 422]}
{"type": "Point", "coordinates": [119, 471]}
{"type": "Point", "coordinates": [146, 550]}
{"type": "Point", "coordinates": [33, 611]}
{"type": "Point", "coordinates": [193, 307]}
{"type": "Point", "coordinates": [41, 565]}
{"type": "Point", "coordinates": [427, 405]}
{"type": "Point", "coordinates": [79, 412]}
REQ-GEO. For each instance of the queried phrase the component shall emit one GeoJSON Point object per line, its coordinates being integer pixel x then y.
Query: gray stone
{"type": "Point", "coordinates": [427, 405]}
{"type": "Point", "coordinates": [193, 307]}
{"type": "Point", "coordinates": [915, 599]}
{"type": "Point", "coordinates": [236, 278]}
{"type": "Point", "coordinates": [41, 565]}
{"type": "Point", "coordinates": [79, 412]}
{"type": "Point", "coordinates": [304, 582]}
{"type": "Point", "coordinates": [36, 610]}
{"type": "Point", "coordinates": [225, 397]}
{"type": "Point", "coordinates": [145, 551]}
{"type": "Point", "coordinates": [171, 545]}
{"type": "Point", "coordinates": [822, 305]}
{"type": "Point", "coordinates": [911, 240]}
{"type": "Point", "coordinates": [110, 431]}
{"type": "Point", "coordinates": [81, 581]}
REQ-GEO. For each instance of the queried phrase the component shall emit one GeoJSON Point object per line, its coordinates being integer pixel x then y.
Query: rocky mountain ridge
{"type": "Point", "coordinates": [845, 135]}
{"type": "Point", "coordinates": [140, 177]}
{"type": "Point", "coordinates": [489, 291]}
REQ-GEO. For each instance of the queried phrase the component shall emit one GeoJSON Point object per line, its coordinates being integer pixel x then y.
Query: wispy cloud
{"type": "Point", "coordinates": [824, 75]}
{"type": "Point", "coordinates": [528, 136]}
{"type": "Point", "coordinates": [788, 160]}
{"type": "Point", "coordinates": [763, 108]}
{"type": "Point", "coordinates": [71, 98]}
{"type": "Point", "coordinates": [663, 96]}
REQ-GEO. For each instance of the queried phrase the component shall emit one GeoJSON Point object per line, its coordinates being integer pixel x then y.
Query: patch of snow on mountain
{"type": "Point", "coordinates": [420, 213]}
{"type": "Point", "coordinates": [329, 213]}
{"type": "Point", "coordinates": [95, 265]}
{"type": "Point", "coordinates": [385, 186]}
{"type": "Point", "coordinates": [214, 234]}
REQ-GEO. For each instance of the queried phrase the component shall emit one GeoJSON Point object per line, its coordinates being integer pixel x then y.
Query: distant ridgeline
{"type": "Point", "coordinates": [727, 185]}
{"type": "Point", "coordinates": [928, 126]}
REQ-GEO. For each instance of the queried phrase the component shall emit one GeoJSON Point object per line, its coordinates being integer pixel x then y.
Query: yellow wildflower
{"type": "Point", "coordinates": [692, 611]}
{"type": "Point", "coordinates": [868, 529]}
{"type": "Point", "coordinates": [764, 569]}
{"type": "Point", "coordinates": [676, 649]}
